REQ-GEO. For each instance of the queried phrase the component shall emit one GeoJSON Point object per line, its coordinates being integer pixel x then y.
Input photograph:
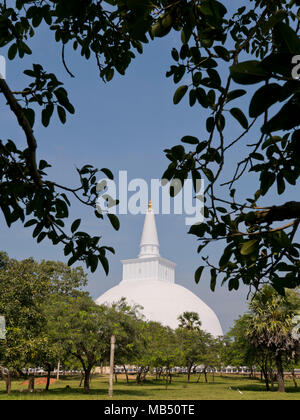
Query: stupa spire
{"type": "Point", "coordinates": [149, 243]}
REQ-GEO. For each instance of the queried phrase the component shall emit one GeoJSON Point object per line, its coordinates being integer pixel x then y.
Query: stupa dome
{"type": "Point", "coordinates": [149, 281]}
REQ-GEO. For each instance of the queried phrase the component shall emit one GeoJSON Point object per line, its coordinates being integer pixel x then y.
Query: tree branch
{"type": "Point", "coordinates": [24, 124]}
{"type": "Point", "coordinates": [289, 210]}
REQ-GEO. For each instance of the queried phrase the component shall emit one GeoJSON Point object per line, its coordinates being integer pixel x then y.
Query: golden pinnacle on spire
{"type": "Point", "coordinates": [150, 205]}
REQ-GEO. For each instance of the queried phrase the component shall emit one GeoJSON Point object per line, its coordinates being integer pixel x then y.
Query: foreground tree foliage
{"type": "Point", "coordinates": [221, 54]}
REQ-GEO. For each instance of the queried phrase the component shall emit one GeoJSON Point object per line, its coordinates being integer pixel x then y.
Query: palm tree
{"type": "Point", "coordinates": [270, 328]}
{"type": "Point", "coordinates": [189, 321]}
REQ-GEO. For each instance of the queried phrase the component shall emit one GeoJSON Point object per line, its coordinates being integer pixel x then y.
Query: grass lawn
{"type": "Point", "coordinates": [224, 388]}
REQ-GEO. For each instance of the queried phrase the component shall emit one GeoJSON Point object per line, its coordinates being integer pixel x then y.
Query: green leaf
{"type": "Point", "coordinates": [248, 72]}
{"type": "Point", "coordinates": [233, 284]}
{"type": "Point", "coordinates": [47, 114]}
{"type": "Point", "coordinates": [257, 156]}
{"type": "Point", "coordinates": [201, 146]}
{"type": "Point", "coordinates": [213, 280]}
{"type": "Point", "coordinates": [226, 256]}
{"type": "Point", "coordinates": [72, 260]}
{"type": "Point", "coordinates": [279, 285]}
{"type": "Point", "coordinates": [210, 123]}
{"type": "Point", "coordinates": [178, 152]}
{"type": "Point", "coordinates": [202, 97]}
{"type": "Point", "coordinates": [240, 116]}
{"type": "Point", "coordinates": [30, 115]}
{"type": "Point", "coordinates": [24, 47]}
{"type": "Point", "coordinates": [190, 140]}
{"type": "Point", "coordinates": [280, 184]}
{"type": "Point", "coordinates": [286, 119]}
{"type": "Point", "coordinates": [31, 223]}
{"type": "Point", "coordinates": [214, 78]}
{"type": "Point", "coordinates": [37, 230]}
{"type": "Point", "coordinates": [186, 34]}
{"type": "Point", "coordinates": [222, 52]}
{"type": "Point", "coordinates": [41, 236]}
{"type": "Point", "coordinates": [108, 173]}
{"type": "Point", "coordinates": [93, 262]}
{"type": "Point", "coordinates": [193, 97]}
{"type": "Point", "coordinates": [104, 263]}
{"type": "Point", "coordinates": [198, 274]}
{"type": "Point", "coordinates": [196, 177]}
{"type": "Point", "coordinates": [209, 174]}
{"type": "Point", "coordinates": [288, 38]}
{"type": "Point", "coordinates": [162, 26]}
{"type": "Point", "coordinates": [179, 72]}
{"type": "Point", "coordinates": [267, 180]}
{"type": "Point", "coordinates": [234, 94]}
{"type": "Point", "coordinates": [110, 74]}
{"type": "Point", "coordinates": [62, 97]}
{"type": "Point", "coordinates": [197, 78]}
{"type": "Point", "coordinates": [114, 221]}
{"type": "Point", "coordinates": [62, 114]}
{"type": "Point", "coordinates": [179, 94]}
{"type": "Point", "coordinates": [249, 247]}
{"type": "Point", "coordinates": [175, 54]}
{"type": "Point", "coordinates": [265, 97]}
{"type": "Point", "coordinates": [75, 225]}
{"type": "Point", "coordinates": [12, 52]}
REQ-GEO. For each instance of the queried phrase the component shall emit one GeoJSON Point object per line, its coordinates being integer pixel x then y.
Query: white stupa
{"type": "Point", "coordinates": [149, 281]}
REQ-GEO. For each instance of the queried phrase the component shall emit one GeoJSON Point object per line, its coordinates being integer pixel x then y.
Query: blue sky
{"type": "Point", "coordinates": [123, 125]}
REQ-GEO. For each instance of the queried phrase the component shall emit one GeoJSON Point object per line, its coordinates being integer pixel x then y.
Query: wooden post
{"type": "Point", "coordinates": [58, 369]}
{"type": "Point", "coordinates": [112, 362]}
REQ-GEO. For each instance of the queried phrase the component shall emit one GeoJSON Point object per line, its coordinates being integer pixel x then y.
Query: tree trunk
{"type": "Point", "coordinates": [81, 380]}
{"type": "Point", "coordinates": [167, 378]}
{"type": "Point", "coordinates": [126, 373]}
{"type": "Point", "coordinates": [58, 371]}
{"type": "Point", "coordinates": [144, 374]}
{"type": "Point", "coordinates": [8, 384]}
{"type": "Point", "coordinates": [48, 378]}
{"type": "Point", "coordinates": [294, 377]}
{"type": "Point", "coordinates": [271, 375]}
{"type": "Point", "coordinates": [111, 365]}
{"type": "Point", "coordinates": [7, 378]}
{"type": "Point", "coordinates": [86, 385]}
{"type": "Point", "coordinates": [264, 373]}
{"type": "Point", "coordinates": [205, 375]}
{"type": "Point", "coordinates": [31, 384]}
{"type": "Point", "coordinates": [280, 373]}
{"type": "Point", "coordinates": [189, 373]}
{"type": "Point", "coordinates": [138, 376]}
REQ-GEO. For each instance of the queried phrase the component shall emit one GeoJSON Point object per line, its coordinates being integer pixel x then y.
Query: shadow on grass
{"type": "Point", "coordinates": [73, 392]}
{"type": "Point", "coordinates": [262, 388]}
